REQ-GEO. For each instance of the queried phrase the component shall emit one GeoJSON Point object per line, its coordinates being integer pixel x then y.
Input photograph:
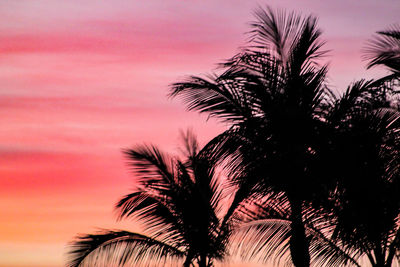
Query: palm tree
{"type": "Point", "coordinates": [384, 50]}
{"type": "Point", "coordinates": [272, 95]}
{"type": "Point", "coordinates": [366, 205]}
{"type": "Point", "coordinates": [360, 220]}
{"type": "Point", "coordinates": [179, 202]}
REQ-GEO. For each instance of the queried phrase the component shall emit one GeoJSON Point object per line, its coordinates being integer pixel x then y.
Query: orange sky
{"type": "Point", "coordinates": [81, 80]}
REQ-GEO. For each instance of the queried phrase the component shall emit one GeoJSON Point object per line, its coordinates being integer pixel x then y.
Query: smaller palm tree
{"type": "Point", "coordinates": [366, 206]}
{"type": "Point", "coordinates": [179, 202]}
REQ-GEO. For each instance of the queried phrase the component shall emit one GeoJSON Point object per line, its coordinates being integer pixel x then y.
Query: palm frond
{"type": "Point", "coordinates": [384, 49]}
{"type": "Point", "coordinates": [155, 212]}
{"type": "Point", "coordinates": [209, 96]}
{"type": "Point", "coordinates": [326, 252]}
{"type": "Point", "coordinates": [289, 37]}
{"type": "Point", "coordinates": [263, 240]}
{"type": "Point", "coordinates": [190, 144]}
{"type": "Point", "coordinates": [275, 31]}
{"type": "Point", "coordinates": [360, 97]}
{"type": "Point", "coordinates": [151, 166]}
{"type": "Point", "coordinates": [116, 248]}
{"type": "Point", "coordinates": [267, 240]}
{"type": "Point", "coordinates": [306, 47]}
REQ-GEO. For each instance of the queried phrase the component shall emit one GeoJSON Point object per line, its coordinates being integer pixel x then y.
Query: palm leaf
{"type": "Point", "coordinates": [267, 240]}
{"type": "Point", "coordinates": [384, 49]}
{"type": "Point", "coordinates": [154, 212]}
{"type": "Point", "coordinates": [116, 248]}
{"type": "Point", "coordinates": [151, 166]}
{"type": "Point", "coordinates": [219, 99]}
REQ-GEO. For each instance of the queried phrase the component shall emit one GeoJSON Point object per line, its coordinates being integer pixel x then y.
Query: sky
{"type": "Point", "coordinates": [82, 80]}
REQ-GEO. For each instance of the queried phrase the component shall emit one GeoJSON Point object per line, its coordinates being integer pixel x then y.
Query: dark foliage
{"type": "Point", "coordinates": [273, 95]}
{"type": "Point", "coordinates": [180, 204]}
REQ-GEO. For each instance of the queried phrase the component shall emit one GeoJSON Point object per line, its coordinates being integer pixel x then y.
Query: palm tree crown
{"type": "Point", "coordinates": [273, 95]}
{"type": "Point", "coordinates": [178, 201]}
{"type": "Point", "coordinates": [366, 204]}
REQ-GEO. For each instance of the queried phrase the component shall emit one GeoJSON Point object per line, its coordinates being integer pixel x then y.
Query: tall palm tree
{"type": "Point", "coordinates": [361, 217]}
{"type": "Point", "coordinates": [180, 203]}
{"type": "Point", "coordinates": [272, 94]}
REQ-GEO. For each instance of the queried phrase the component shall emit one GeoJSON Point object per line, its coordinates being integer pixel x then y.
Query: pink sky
{"type": "Point", "coordinates": [81, 80]}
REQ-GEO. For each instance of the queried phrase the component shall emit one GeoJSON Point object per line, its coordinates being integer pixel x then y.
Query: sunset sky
{"type": "Point", "coordinates": [82, 80]}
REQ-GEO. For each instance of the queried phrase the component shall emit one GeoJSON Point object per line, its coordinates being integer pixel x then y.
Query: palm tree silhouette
{"type": "Point", "coordinates": [360, 219]}
{"type": "Point", "coordinates": [366, 204]}
{"type": "Point", "coordinates": [179, 202]}
{"type": "Point", "coordinates": [384, 50]}
{"type": "Point", "coordinates": [272, 94]}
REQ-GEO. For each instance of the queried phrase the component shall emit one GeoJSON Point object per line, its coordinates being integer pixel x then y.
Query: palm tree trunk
{"type": "Point", "coordinates": [188, 262]}
{"type": "Point", "coordinates": [298, 241]}
{"type": "Point", "coordinates": [202, 261]}
{"type": "Point", "coordinates": [392, 249]}
{"type": "Point", "coordinates": [379, 257]}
